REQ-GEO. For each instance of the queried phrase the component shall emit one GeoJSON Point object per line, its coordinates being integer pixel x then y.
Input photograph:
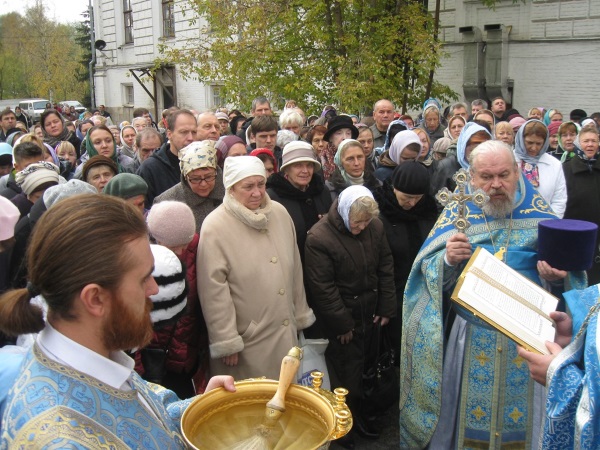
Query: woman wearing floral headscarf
{"type": "Point", "coordinates": [542, 170]}
{"type": "Point", "coordinates": [201, 186]}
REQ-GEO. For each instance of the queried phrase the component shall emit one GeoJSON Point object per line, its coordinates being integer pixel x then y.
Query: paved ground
{"type": "Point", "coordinates": [389, 434]}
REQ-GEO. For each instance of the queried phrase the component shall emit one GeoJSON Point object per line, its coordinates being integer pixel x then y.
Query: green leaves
{"type": "Point", "coordinates": [347, 52]}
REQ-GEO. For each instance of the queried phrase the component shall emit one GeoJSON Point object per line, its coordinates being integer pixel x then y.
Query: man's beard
{"type": "Point", "coordinates": [499, 208]}
{"type": "Point", "coordinates": [123, 330]}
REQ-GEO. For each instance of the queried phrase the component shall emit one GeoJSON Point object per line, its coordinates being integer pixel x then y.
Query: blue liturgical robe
{"type": "Point", "coordinates": [488, 401]}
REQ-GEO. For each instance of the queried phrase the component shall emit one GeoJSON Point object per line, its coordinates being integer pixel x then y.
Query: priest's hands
{"type": "Point", "coordinates": [538, 364]}
{"type": "Point", "coordinates": [458, 249]}
{"type": "Point", "coordinates": [224, 381]}
{"type": "Point", "coordinates": [549, 273]}
{"type": "Point", "coordinates": [564, 328]}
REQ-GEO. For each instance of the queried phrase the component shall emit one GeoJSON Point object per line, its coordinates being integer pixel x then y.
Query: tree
{"type": "Point", "coordinates": [347, 52]}
{"type": "Point", "coordinates": [39, 57]}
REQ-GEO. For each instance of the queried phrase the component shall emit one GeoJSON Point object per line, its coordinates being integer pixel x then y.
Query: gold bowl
{"type": "Point", "coordinates": [219, 419]}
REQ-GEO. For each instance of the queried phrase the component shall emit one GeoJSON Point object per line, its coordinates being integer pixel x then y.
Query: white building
{"type": "Point", "coordinates": [132, 31]}
{"type": "Point", "coordinates": [537, 53]}
{"type": "Point", "coordinates": [533, 53]}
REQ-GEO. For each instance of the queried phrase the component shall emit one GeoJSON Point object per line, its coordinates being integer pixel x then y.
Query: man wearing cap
{"type": "Point", "coordinates": [383, 113]}
{"type": "Point", "coordinates": [130, 187]}
{"type": "Point", "coordinates": [223, 123]}
{"type": "Point", "coordinates": [473, 390]}
{"type": "Point", "coordinates": [201, 185]}
{"type": "Point", "coordinates": [5, 159]}
{"type": "Point", "coordinates": [161, 170]}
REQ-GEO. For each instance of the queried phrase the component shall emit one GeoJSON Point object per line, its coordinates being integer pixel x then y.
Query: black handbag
{"type": "Point", "coordinates": [154, 360]}
{"type": "Point", "coordinates": [381, 387]}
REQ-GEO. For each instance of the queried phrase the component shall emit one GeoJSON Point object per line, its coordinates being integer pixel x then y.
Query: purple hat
{"type": "Point", "coordinates": [567, 244]}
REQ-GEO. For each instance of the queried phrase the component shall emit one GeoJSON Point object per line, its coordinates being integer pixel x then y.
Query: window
{"type": "Point", "coordinates": [128, 21]}
{"type": "Point", "coordinates": [128, 94]}
{"type": "Point", "coordinates": [216, 95]}
{"type": "Point", "coordinates": [168, 15]}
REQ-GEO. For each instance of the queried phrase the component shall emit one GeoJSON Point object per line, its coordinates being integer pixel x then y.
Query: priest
{"type": "Point", "coordinates": [462, 384]}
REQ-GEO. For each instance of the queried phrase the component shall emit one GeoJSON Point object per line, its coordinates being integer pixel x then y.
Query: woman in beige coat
{"type": "Point", "coordinates": [250, 277]}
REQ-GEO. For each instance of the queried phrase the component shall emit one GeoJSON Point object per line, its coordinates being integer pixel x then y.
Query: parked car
{"type": "Point", "coordinates": [34, 107]}
{"type": "Point", "coordinates": [78, 106]}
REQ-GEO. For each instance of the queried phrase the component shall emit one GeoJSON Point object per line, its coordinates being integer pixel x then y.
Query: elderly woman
{"type": "Point", "coordinates": [542, 170]}
{"type": "Point", "coordinates": [432, 122]}
{"type": "Point", "coordinates": [300, 189]}
{"type": "Point", "coordinates": [408, 213]}
{"type": "Point", "coordinates": [567, 136]}
{"type": "Point", "coordinates": [250, 277]}
{"type": "Point", "coordinates": [201, 185]}
{"type": "Point", "coordinates": [316, 137]}
{"type": "Point", "coordinates": [349, 274]}
{"type": "Point", "coordinates": [54, 129]}
{"type": "Point", "coordinates": [406, 146]}
{"type": "Point", "coordinates": [350, 162]}
{"type": "Point", "coordinates": [338, 129]}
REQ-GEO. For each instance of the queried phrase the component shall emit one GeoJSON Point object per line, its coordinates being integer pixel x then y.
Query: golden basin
{"type": "Point", "coordinates": [219, 419]}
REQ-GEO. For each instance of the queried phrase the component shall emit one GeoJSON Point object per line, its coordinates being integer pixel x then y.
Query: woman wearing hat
{"type": "Point", "coordinates": [250, 277]}
{"type": "Point", "coordinates": [201, 185]}
{"type": "Point", "coordinates": [338, 129]}
{"type": "Point", "coordinates": [351, 169]}
{"type": "Point", "coordinates": [300, 189]}
{"type": "Point", "coordinates": [349, 273]}
{"type": "Point", "coordinates": [408, 213]}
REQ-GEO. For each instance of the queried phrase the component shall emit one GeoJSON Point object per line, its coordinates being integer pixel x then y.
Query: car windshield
{"type": "Point", "coordinates": [39, 105]}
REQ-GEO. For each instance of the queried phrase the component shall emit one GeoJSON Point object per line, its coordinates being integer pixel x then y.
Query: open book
{"type": "Point", "coordinates": [508, 301]}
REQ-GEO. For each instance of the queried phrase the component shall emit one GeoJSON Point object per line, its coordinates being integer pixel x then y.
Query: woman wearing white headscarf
{"type": "Point", "coordinates": [350, 278]}
{"type": "Point", "coordinates": [406, 146]}
{"type": "Point", "coordinates": [542, 170]}
{"type": "Point", "coordinates": [250, 277]}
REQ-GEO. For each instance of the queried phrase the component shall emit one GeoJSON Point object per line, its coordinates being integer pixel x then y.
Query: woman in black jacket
{"type": "Point", "coordinates": [408, 214]}
{"type": "Point", "coordinates": [300, 189]}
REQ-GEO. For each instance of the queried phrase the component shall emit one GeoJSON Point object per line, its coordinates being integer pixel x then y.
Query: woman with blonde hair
{"type": "Point", "coordinates": [505, 133]}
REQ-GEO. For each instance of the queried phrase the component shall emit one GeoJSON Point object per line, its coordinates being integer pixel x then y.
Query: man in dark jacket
{"type": "Point", "coordinates": [161, 171]}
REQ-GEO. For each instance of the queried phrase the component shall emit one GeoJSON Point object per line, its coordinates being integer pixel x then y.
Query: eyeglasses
{"type": "Point", "coordinates": [199, 180]}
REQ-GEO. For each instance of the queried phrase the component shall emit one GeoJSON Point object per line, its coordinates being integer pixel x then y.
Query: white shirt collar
{"type": "Point", "coordinates": [113, 372]}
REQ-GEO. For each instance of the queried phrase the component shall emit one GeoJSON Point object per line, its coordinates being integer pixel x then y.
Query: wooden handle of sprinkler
{"type": "Point", "coordinates": [289, 368]}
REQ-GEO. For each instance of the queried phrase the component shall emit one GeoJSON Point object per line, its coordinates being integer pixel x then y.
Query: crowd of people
{"type": "Point", "coordinates": [202, 245]}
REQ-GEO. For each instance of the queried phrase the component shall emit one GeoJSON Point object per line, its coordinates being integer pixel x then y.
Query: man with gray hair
{"type": "Point", "coordinates": [261, 106]}
{"type": "Point", "coordinates": [383, 114]}
{"type": "Point", "coordinates": [487, 398]}
{"type": "Point", "coordinates": [459, 109]}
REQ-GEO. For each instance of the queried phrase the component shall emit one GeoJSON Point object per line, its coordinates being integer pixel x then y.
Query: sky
{"type": "Point", "coordinates": [63, 11]}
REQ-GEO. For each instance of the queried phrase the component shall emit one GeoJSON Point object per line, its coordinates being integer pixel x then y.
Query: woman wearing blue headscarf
{"type": "Point", "coordinates": [542, 170]}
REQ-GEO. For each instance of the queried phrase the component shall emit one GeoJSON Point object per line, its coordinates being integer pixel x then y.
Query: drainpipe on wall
{"type": "Point", "coordinates": [93, 61]}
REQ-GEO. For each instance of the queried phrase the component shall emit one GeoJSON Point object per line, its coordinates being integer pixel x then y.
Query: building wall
{"type": "Point", "coordinates": [112, 73]}
{"type": "Point", "coordinates": [552, 49]}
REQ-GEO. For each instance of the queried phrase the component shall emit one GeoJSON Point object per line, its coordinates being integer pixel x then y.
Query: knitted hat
{"type": "Point", "coordinates": [171, 223]}
{"type": "Point", "coordinates": [95, 161]}
{"type": "Point", "coordinates": [5, 154]}
{"type": "Point", "coordinates": [9, 216]}
{"type": "Point", "coordinates": [299, 151]}
{"type": "Point", "coordinates": [516, 123]}
{"type": "Point", "coordinates": [240, 167]}
{"type": "Point", "coordinates": [171, 299]}
{"type": "Point", "coordinates": [339, 123]}
{"type": "Point", "coordinates": [553, 128]}
{"type": "Point", "coordinates": [55, 194]}
{"type": "Point", "coordinates": [126, 185]}
{"type": "Point", "coordinates": [197, 155]}
{"type": "Point", "coordinates": [442, 144]}
{"type": "Point", "coordinates": [412, 178]}
{"type": "Point", "coordinates": [36, 174]}
{"type": "Point", "coordinates": [225, 143]}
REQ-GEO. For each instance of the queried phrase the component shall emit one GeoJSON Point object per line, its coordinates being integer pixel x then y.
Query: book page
{"type": "Point", "coordinates": [507, 300]}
